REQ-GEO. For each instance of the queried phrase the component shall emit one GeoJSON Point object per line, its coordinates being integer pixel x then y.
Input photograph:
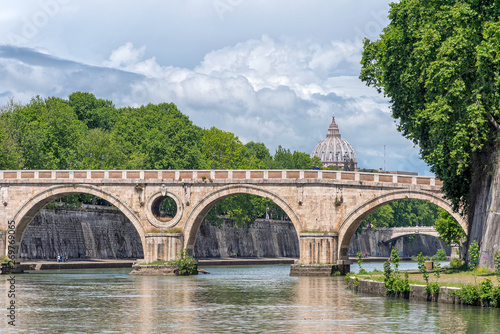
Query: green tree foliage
{"type": "Point", "coordinates": [227, 147]}
{"type": "Point", "coordinates": [45, 133]}
{"type": "Point", "coordinates": [257, 155]}
{"type": "Point", "coordinates": [438, 62]}
{"type": "Point", "coordinates": [404, 212]}
{"type": "Point", "coordinates": [284, 159]}
{"type": "Point", "coordinates": [243, 210]}
{"type": "Point", "coordinates": [9, 155]}
{"type": "Point", "coordinates": [382, 217]}
{"type": "Point", "coordinates": [95, 113]}
{"type": "Point", "coordinates": [449, 229]}
{"type": "Point", "coordinates": [158, 137]}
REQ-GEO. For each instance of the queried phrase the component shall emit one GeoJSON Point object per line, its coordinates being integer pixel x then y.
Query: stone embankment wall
{"type": "Point", "coordinates": [265, 238]}
{"type": "Point", "coordinates": [93, 232]}
{"type": "Point", "coordinates": [445, 295]}
{"type": "Point", "coordinates": [369, 241]}
{"type": "Point", "coordinates": [484, 217]}
{"type": "Point", "coordinates": [102, 232]}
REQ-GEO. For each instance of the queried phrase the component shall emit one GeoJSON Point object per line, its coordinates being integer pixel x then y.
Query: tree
{"type": "Point", "coordinates": [223, 149]}
{"type": "Point", "coordinates": [449, 229]}
{"type": "Point", "coordinates": [95, 113]}
{"type": "Point", "coordinates": [382, 217]}
{"type": "Point", "coordinates": [9, 156]}
{"type": "Point", "coordinates": [158, 137]}
{"type": "Point", "coordinates": [438, 63]}
{"type": "Point", "coordinates": [283, 159]}
{"type": "Point", "coordinates": [46, 133]}
{"type": "Point", "coordinates": [257, 155]}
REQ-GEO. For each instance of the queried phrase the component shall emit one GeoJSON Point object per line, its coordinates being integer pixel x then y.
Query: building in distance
{"type": "Point", "coordinates": [336, 152]}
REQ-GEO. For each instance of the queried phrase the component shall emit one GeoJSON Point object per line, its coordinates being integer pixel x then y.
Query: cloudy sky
{"type": "Point", "coordinates": [271, 71]}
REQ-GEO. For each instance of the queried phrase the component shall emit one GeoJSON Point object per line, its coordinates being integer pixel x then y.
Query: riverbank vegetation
{"type": "Point", "coordinates": [478, 286]}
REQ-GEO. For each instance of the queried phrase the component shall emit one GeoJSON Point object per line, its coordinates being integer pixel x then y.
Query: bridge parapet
{"type": "Point", "coordinates": [186, 176]}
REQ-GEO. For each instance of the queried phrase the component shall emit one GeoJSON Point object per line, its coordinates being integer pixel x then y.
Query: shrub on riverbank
{"type": "Point", "coordinates": [394, 284]}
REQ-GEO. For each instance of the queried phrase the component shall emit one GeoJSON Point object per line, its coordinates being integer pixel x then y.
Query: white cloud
{"type": "Point", "coordinates": [125, 55]}
{"type": "Point", "coordinates": [280, 92]}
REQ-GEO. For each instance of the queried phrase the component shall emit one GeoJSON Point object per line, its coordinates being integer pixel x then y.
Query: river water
{"type": "Point", "coordinates": [257, 299]}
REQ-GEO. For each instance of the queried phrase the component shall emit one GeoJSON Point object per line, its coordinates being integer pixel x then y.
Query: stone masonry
{"type": "Point", "coordinates": [325, 207]}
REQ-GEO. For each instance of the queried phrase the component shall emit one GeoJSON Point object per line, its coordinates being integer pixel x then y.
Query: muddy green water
{"type": "Point", "coordinates": [259, 299]}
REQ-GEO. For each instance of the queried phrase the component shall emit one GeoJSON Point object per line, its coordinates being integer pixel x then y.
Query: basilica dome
{"type": "Point", "coordinates": [335, 150]}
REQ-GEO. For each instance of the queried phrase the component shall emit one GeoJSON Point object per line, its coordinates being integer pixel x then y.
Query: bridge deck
{"type": "Point", "coordinates": [210, 176]}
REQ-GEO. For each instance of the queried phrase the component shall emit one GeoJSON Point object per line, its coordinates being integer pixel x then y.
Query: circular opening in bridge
{"type": "Point", "coordinates": [164, 208]}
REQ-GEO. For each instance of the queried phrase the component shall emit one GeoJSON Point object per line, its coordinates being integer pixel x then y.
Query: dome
{"type": "Point", "coordinates": [335, 150]}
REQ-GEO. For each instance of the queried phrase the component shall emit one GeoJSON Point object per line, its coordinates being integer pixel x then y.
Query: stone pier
{"type": "Point", "coordinates": [163, 246]}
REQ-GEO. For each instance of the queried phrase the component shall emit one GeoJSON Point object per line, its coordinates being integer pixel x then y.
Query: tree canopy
{"type": "Point", "coordinates": [85, 132]}
{"type": "Point", "coordinates": [438, 63]}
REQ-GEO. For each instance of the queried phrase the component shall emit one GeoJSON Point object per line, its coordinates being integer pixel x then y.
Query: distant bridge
{"type": "Point", "coordinates": [325, 207]}
{"type": "Point", "coordinates": [388, 234]}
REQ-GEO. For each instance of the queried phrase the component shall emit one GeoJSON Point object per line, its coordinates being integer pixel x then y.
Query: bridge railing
{"type": "Point", "coordinates": [408, 229]}
{"type": "Point", "coordinates": [211, 175]}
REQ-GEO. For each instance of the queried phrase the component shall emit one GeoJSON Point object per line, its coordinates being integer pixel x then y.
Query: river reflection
{"type": "Point", "coordinates": [258, 299]}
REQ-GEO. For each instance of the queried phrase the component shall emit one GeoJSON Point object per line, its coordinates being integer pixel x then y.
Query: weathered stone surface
{"type": "Point", "coordinates": [264, 238]}
{"type": "Point", "coordinates": [484, 222]}
{"type": "Point", "coordinates": [93, 232]}
{"type": "Point", "coordinates": [332, 203]}
{"type": "Point", "coordinates": [318, 270]}
{"type": "Point", "coordinates": [163, 270]}
{"type": "Point", "coordinates": [417, 291]}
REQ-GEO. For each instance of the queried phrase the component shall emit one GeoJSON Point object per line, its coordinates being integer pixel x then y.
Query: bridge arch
{"type": "Point", "coordinates": [29, 210]}
{"type": "Point", "coordinates": [354, 218]}
{"type": "Point", "coordinates": [413, 231]}
{"type": "Point", "coordinates": [202, 208]}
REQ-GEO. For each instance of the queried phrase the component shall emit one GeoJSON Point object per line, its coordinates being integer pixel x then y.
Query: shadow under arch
{"type": "Point", "coordinates": [202, 208]}
{"type": "Point", "coordinates": [30, 209]}
{"type": "Point", "coordinates": [354, 218]}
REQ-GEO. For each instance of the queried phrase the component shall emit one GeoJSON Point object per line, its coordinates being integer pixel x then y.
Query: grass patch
{"type": "Point", "coordinates": [452, 277]}
{"type": "Point", "coordinates": [174, 230]}
{"type": "Point", "coordinates": [156, 263]}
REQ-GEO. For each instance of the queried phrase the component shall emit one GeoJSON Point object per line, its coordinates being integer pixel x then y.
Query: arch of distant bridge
{"type": "Point", "coordinates": [354, 218]}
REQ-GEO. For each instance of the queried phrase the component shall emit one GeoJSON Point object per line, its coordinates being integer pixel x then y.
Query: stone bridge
{"type": "Point", "coordinates": [390, 234]}
{"type": "Point", "coordinates": [326, 207]}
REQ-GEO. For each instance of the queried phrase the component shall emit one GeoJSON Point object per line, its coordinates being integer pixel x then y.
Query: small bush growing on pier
{"type": "Point", "coordinates": [187, 265]}
{"type": "Point", "coordinates": [456, 263]}
{"type": "Point", "coordinates": [6, 259]}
